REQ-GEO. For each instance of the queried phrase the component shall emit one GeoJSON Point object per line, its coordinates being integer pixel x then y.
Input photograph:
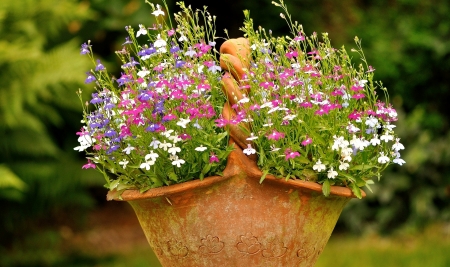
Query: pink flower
{"type": "Point", "coordinates": [307, 141]}
{"type": "Point", "coordinates": [275, 135]}
{"type": "Point", "coordinates": [358, 96]}
{"type": "Point", "coordinates": [290, 154]}
{"type": "Point", "coordinates": [89, 165]}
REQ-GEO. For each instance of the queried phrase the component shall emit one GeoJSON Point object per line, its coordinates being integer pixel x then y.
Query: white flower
{"type": "Point", "coordinates": [272, 110]}
{"type": "Point", "coordinates": [175, 139]}
{"type": "Point", "coordinates": [375, 141]}
{"type": "Point", "coordinates": [167, 133]}
{"type": "Point", "coordinates": [142, 30]}
{"type": "Point", "coordinates": [358, 143]}
{"type": "Point", "coordinates": [339, 142]}
{"type": "Point", "coordinates": [200, 148]}
{"type": "Point", "coordinates": [386, 137]}
{"type": "Point", "coordinates": [244, 100]}
{"type": "Point", "coordinates": [249, 150]}
{"type": "Point", "coordinates": [155, 143]}
{"type": "Point", "coordinates": [397, 146]}
{"type": "Point", "coordinates": [85, 142]}
{"type": "Point", "coordinates": [289, 117]}
{"type": "Point", "coordinates": [252, 137]}
{"type": "Point", "coordinates": [332, 173]}
{"type": "Point", "coordinates": [399, 161]}
{"type": "Point", "coordinates": [389, 126]}
{"type": "Point", "coordinates": [352, 128]}
{"type": "Point", "coordinates": [174, 150]}
{"type": "Point", "coordinates": [182, 38]}
{"type": "Point", "coordinates": [152, 155]}
{"type": "Point", "coordinates": [183, 122]}
{"type": "Point", "coordinates": [128, 149]}
{"type": "Point", "coordinates": [158, 11]}
{"type": "Point", "coordinates": [178, 162]}
{"type": "Point", "coordinates": [372, 122]}
{"type": "Point", "coordinates": [124, 163]}
{"type": "Point", "coordinates": [319, 166]}
{"type": "Point", "coordinates": [165, 145]}
{"type": "Point", "coordinates": [144, 72]}
{"type": "Point", "coordinates": [273, 148]}
{"type": "Point", "coordinates": [383, 159]}
{"type": "Point", "coordinates": [146, 165]}
{"type": "Point", "coordinates": [343, 166]}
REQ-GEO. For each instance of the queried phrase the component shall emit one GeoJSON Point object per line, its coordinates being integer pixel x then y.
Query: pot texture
{"type": "Point", "coordinates": [234, 220]}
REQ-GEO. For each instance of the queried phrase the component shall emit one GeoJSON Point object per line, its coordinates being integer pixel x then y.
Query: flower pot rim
{"type": "Point", "coordinates": [135, 194]}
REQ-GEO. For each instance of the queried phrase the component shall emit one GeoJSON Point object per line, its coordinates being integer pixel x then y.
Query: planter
{"type": "Point", "coordinates": [234, 220]}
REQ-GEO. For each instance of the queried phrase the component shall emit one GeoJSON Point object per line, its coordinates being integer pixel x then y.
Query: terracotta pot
{"type": "Point", "coordinates": [236, 221]}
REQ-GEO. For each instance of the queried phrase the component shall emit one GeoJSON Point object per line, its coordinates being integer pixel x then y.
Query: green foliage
{"type": "Point", "coordinates": [41, 70]}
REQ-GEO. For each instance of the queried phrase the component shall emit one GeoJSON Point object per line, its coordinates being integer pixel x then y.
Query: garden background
{"type": "Point", "coordinates": [52, 213]}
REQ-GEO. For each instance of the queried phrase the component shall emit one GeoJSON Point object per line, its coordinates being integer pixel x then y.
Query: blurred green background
{"type": "Point", "coordinates": [50, 208]}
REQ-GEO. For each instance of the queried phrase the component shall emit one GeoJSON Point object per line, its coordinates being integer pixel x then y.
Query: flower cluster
{"type": "Point", "coordinates": [314, 115]}
{"type": "Point", "coordinates": [154, 125]}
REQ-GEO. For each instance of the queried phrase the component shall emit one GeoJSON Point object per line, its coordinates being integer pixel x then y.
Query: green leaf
{"type": "Point", "coordinates": [9, 179]}
{"type": "Point", "coordinates": [362, 167]}
{"type": "Point", "coordinates": [265, 172]}
{"type": "Point", "coordinates": [356, 190]}
{"type": "Point", "coordinates": [326, 188]}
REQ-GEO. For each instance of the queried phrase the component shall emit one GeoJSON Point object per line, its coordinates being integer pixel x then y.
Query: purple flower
{"type": "Point", "coordinates": [95, 99]}
{"type": "Point", "coordinates": [179, 63]}
{"type": "Point", "coordinates": [152, 127]}
{"type": "Point", "coordinates": [127, 41]}
{"type": "Point", "coordinates": [99, 66]}
{"type": "Point", "coordinates": [174, 49]}
{"type": "Point", "coordinates": [110, 133]}
{"type": "Point", "coordinates": [90, 78]}
{"type": "Point", "coordinates": [85, 49]}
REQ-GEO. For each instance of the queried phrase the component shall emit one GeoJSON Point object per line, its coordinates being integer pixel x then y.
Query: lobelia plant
{"type": "Point", "coordinates": [306, 111]}
{"type": "Point", "coordinates": [154, 125]}
{"type": "Point", "coordinates": [312, 114]}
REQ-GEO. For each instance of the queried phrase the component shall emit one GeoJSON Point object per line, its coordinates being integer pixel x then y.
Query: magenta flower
{"type": "Point", "coordinates": [289, 154]}
{"type": "Point", "coordinates": [89, 165]}
{"type": "Point", "coordinates": [306, 104]}
{"type": "Point", "coordinates": [266, 85]}
{"type": "Point", "coordinates": [275, 135]}
{"type": "Point", "coordinates": [355, 115]}
{"type": "Point", "coordinates": [213, 158]}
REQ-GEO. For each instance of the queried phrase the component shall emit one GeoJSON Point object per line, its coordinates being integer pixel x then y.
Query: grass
{"type": "Point", "coordinates": [429, 248]}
